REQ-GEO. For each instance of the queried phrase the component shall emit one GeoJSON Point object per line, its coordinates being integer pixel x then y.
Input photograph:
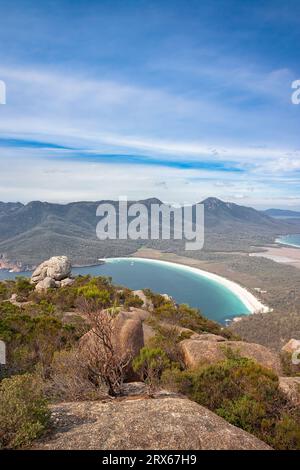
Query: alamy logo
{"type": "Point", "coordinates": [296, 94]}
{"type": "Point", "coordinates": [134, 221]}
{"type": "Point", "coordinates": [2, 92]}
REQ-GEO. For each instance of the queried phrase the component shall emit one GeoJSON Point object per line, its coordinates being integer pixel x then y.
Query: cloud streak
{"type": "Point", "coordinates": [198, 97]}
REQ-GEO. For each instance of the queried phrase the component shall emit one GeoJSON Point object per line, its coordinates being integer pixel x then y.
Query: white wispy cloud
{"type": "Point", "coordinates": [100, 112]}
{"type": "Point", "coordinates": [97, 116]}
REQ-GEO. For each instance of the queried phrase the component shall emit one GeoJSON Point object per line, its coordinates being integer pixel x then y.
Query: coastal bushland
{"type": "Point", "coordinates": [46, 361]}
{"type": "Point", "coordinates": [244, 393]}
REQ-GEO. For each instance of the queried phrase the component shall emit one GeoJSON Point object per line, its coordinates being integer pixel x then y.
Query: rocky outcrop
{"type": "Point", "coordinates": [147, 303]}
{"type": "Point", "coordinates": [207, 337]}
{"type": "Point", "coordinates": [140, 389]}
{"type": "Point", "coordinates": [45, 284]}
{"type": "Point", "coordinates": [196, 351]}
{"type": "Point", "coordinates": [149, 333]}
{"type": "Point", "coordinates": [128, 333]}
{"type": "Point", "coordinates": [159, 424]}
{"type": "Point", "coordinates": [290, 386]}
{"type": "Point", "coordinates": [66, 282]}
{"type": "Point", "coordinates": [54, 272]}
{"type": "Point", "coordinates": [168, 298]}
{"type": "Point", "coordinates": [292, 346]}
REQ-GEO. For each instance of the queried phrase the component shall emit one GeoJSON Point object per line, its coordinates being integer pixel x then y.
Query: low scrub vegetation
{"type": "Point", "coordinates": [32, 338]}
{"type": "Point", "coordinates": [23, 412]}
{"type": "Point", "coordinates": [150, 364]}
{"type": "Point", "coordinates": [245, 394]}
{"type": "Point", "coordinates": [50, 358]}
{"type": "Point", "coordinates": [70, 380]}
{"type": "Point", "coordinates": [184, 316]}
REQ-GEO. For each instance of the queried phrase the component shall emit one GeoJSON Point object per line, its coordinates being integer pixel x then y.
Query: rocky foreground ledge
{"type": "Point", "coordinates": [141, 423]}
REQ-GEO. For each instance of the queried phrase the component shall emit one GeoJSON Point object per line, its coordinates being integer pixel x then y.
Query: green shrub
{"type": "Point", "coordinates": [33, 339]}
{"type": "Point", "coordinates": [23, 411]}
{"type": "Point", "coordinates": [215, 385]}
{"type": "Point", "coordinates": [63, 299]}
{"type": "Point", "coordinates": [150, 364]}
{"type": "Point", "coordinates": [244, 412]}
{"type": "Point", "coordinates": [23, 287]}
{"type": "Point", "coordinates": [184, 316]}
{"type": "Point", "coordinates": [246, 395]}
{"type": "Point", "coordinates": [7, 308]}
{"type": "Point", "coordinates": [91, 297]}
{"type": "Point", "coordinates": [132, 300]}
{"type": "Point", "coordinates": [102, 282]}
{"type": "Point", "coordinates": [3, 291]}
{"type": "Point", "coordinates": [46, 308]}
{"type": "Point", "coordinates": [286, 433]}
{"type": "Point", "coordinates": [96, 290]}
{"type": "Point", "coordinates": [156, 299]}
{"type": "Point", "coordinates": [167, 338]}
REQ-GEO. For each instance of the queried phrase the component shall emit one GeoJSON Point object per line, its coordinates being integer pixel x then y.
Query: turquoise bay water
{"type": "Point", "coordinates": [213, 300]}
{"type": "Point", "coordinates": [292, 240]}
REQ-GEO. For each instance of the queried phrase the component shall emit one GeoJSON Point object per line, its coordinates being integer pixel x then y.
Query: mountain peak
{"type": "Point", "coordinates": [213, 202]}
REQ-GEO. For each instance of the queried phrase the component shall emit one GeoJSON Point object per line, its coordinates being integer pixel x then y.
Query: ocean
{"type": "Point", "coordinates": [214, 300]}
{"type": "Point", "coordinates": [291, 240]}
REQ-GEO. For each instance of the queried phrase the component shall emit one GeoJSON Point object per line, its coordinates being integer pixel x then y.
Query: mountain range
{"type": "Point", "coordinates": [282, 213]}
{"type": "Point", "coordinates": [30, 233]}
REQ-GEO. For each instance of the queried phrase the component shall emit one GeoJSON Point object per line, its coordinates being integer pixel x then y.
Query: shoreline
{"type": "Point", "coordinates": [279, 242]}
{"type": "Point", "coordinates": [247, 298]}
{"type": "Point", "coordinates": [92, 265]}
{"type": "Point", "coordinates": [6, 265]}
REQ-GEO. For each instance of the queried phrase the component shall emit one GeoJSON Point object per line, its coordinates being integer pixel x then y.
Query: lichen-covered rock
{"type": "Point", "coordinates": [45, 284]}
{"type": "Point", "coordinates": [132, 424]}
{"type": "Point", "coordinates": [290, 386]}
{"type": "Point", "coordinates": [197, 352]}
{"type": "Point", "coordinates": [57, 268]}
{"type": "Point", "coordinates": [66, 282]}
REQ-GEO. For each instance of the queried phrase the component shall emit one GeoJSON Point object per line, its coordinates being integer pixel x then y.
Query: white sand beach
{"type": "Point", "coordinates": [248, 299]}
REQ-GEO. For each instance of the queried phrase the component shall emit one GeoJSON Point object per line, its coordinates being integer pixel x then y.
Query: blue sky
{"type": "Point", "coordinates": [175, 99]}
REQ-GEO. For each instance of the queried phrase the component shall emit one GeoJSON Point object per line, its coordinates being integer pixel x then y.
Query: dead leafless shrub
{"type": "Point", "coordinates": [107, 363]}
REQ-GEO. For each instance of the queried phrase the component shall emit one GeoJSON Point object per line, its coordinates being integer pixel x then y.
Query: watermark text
{"type": "Point", "coordinates": [2, 92]}
{"type": "Point", "coordinates": [153, 221]}
{"type": "Point", "coordinates": [296, 93]}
